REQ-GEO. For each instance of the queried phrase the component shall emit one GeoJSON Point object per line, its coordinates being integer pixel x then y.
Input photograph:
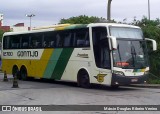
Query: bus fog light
{"type": "Point", "coordinates": [116, 83]}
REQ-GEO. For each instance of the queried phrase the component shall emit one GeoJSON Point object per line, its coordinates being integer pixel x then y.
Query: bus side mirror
{"type": "Point", "coordinates": [154, 44]}
{"type": "Point", "coordinates": [113, 42]}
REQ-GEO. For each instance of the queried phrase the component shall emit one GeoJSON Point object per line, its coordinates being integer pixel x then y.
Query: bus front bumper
{"type": "Point", "coordinates": [127, 80]}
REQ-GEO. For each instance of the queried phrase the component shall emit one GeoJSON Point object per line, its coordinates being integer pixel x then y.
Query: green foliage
{"type": "Point", "coordinates": [82, 19]}
{"type": "Point", "coordinates": [1, 34]}
{"type": "Point", "coordinates": [153, 79]}
{"type": "Point", "coordinates": [151, 29]}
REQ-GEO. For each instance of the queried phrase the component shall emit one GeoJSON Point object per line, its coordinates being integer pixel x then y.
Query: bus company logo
{"type": "Point", "coordinates": [100, 77]}
{"type": "Point", "coordinates": [82, 55]}
{"type": "Point", "coordinates": [27, 53]}
{"type": "Point", "coordinates": [6, 108]}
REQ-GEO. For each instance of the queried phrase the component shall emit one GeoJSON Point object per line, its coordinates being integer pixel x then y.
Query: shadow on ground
{"type": "Point", "coordinates": [93, 86]}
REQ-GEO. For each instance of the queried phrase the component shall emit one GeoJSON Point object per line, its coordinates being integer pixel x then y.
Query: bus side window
{"type": "Point", "coordinates": [82, 37]}
{"type": "Point", "coordinates": [58, 41]}
{"type": "Point", "coordinates": [44, 44]}
{"type": "Point", "coordinates": [49, 40]}
{"type": "Point", "coordinates": [87, 43]}
{"type": "Point", "coordinates": [14, 45]}
{"type": "Point", "coordinates": [36, 40]}
{"type": "Point", "coordinates": [6, 42]}
{"type": "Point", "coordinates": [25, 45]}
{"type": "Point", "coordinates": [15, 42]}
{"type": "Point", "coordinates": [51, 44]}
{"type": "Point", "coordinates": [37, 44]}
{"type": "Point", "coordinates": [80, 42]}
{"type": "Point", "coordinates": [67, 40]}
{"type": "Point", "coordinates": [25, 41]}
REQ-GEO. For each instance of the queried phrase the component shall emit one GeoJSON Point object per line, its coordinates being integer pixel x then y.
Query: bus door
{"type": "Point", "coordinates": [101, 52]}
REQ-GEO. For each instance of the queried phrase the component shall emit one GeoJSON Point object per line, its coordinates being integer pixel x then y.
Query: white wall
{"type": "Point", "coordinates": [16, 29]}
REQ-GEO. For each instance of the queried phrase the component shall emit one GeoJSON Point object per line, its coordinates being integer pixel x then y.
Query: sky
{"type": "Point", "coordinates": [49, 12]}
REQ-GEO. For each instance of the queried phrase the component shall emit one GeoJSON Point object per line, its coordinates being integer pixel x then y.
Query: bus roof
{"type": "Point", "coordinates": [68, 26]}
{"type": "Point", "coordinates": [112, 24]}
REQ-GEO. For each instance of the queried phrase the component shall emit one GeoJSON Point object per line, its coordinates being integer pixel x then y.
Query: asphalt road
{"type": "Point", "coordinates": [38, 92]}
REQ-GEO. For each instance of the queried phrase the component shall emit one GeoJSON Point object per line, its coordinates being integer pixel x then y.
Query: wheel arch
{"type": "Point", "coordinates": [14, 67]}
{"type": "Point", "coordinates": [83, 69]}
{"type": "Point", "coordinates": [23, 67]}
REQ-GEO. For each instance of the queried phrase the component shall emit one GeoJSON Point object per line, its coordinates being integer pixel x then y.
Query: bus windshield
{"type": "Point", "coordinates": [125, 32]}
{"type": "Point", "coordinates": [131, 54]}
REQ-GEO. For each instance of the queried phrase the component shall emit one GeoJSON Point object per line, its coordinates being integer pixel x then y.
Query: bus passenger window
{"type": "Point", "coordinates": [44, 44]}
{"type": "Point", "coordinates": [25, 45]}
{"type": "Point", "coordinates": [80, 43]}
{"type": "Point", "coordinates": [87, 43]}
{"type": "Point", "coordinates": [6, 42]}
{"type": "Point", "coordinates": [15, 42]}
{"type": "Point", "coordinates": [51, 44]}
{"type": "Point", "coordinates": [82, 37]}
{"type": "Point", "coordinates": [14, 45]}
{"type": "Point", "coordinates": [37, 44]}
{"type": "Point", "coordinates": [58, 41]}
{"type": "Point", "coordinates": [67, 40]}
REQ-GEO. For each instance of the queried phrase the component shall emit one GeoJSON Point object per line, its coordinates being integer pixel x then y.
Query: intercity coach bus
{"type": "Point", "coordinates": [101, 53]}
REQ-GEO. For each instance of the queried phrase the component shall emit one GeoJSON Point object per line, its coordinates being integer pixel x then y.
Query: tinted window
{"type": "Point", "coordinates": [54, 39]}
{"type": "Point", "coordinates": [36, 40]}
{"type": "Point", "coordinates": [81, 37]}
{"type": "Point", "coordinates": [6, 42]}
{"type": "Point", "coordinates": [25, 41]}
{"type": "Point", "coordinates": [49, 39]}
{"type": "Point", "coordinates": [101, 47]}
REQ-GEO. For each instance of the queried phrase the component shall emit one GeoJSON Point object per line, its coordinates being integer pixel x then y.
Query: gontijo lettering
{"type": "Point", "coordinates": [27, 53]}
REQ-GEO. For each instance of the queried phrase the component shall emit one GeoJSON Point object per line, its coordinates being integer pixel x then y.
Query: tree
{"type": "Point", "coordinates": [82, 19]}
{"type": "Point", "coordinates": [1, 34]}
{"type": "Point", "coordinates": [151, 29]}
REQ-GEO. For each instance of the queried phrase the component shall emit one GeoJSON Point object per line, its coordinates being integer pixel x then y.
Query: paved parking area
{"type": "Point", "coordinates": [38, 92]}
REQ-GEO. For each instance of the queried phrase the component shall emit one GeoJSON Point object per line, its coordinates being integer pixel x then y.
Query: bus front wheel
{"type": "Point", "coordinates": [23, 73]}
{"type": "Point", "coordinates": [114, 86]}
{"type": "Point", "coordinates": [83, 79]}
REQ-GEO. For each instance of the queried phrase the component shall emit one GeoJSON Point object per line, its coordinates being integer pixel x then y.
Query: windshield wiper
{"type": "Point", "coordinates": [133, 53]}
{"type": "Point", "coordinates": [119, 55]}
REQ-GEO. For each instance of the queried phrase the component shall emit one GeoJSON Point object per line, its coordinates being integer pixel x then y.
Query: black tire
{"type": "Point", "coordinates": [114, 86]}
{"type": "Point", "coordinates": [23, 73]}
{"type": "Point", "coordinates": [83, 79]}
{"type": "Point", "coordinates": [15, 72]}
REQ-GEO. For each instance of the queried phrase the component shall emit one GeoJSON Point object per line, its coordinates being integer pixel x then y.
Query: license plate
{"type": "Point", "coordinates": [134, 80]}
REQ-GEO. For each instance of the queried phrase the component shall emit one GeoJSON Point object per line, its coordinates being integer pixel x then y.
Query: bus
{"type": "Point", "coordinates": [98, 53]}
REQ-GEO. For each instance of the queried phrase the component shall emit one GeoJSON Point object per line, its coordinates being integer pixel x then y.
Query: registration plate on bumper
{"type": "Point", "coordinates": [134, 80]}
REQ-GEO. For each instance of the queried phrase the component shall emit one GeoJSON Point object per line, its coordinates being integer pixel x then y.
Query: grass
{"type": "Point", "coordinates": [153, 79]}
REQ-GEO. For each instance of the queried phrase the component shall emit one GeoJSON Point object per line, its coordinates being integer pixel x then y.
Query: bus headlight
{"type": "Point", "coordinates": [118, 73]}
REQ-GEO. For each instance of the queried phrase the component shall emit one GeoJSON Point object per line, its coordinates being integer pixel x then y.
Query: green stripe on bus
{"type": "Point", "coordinates": [62, 63]}
{"type": "Point", "coordinates": [52, 62]}
{"type": "Point", "coordinates": [76, 26]}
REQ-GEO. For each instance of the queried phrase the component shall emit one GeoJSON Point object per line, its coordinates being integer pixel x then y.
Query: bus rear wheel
{"type": "Point", "coordinates": [83, 79]}
{"type": "Point", "coordinates": [23, 73]}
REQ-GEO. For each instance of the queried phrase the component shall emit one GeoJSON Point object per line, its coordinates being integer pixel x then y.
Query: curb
{"type": "Point", "coordinates": [146, 85]}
